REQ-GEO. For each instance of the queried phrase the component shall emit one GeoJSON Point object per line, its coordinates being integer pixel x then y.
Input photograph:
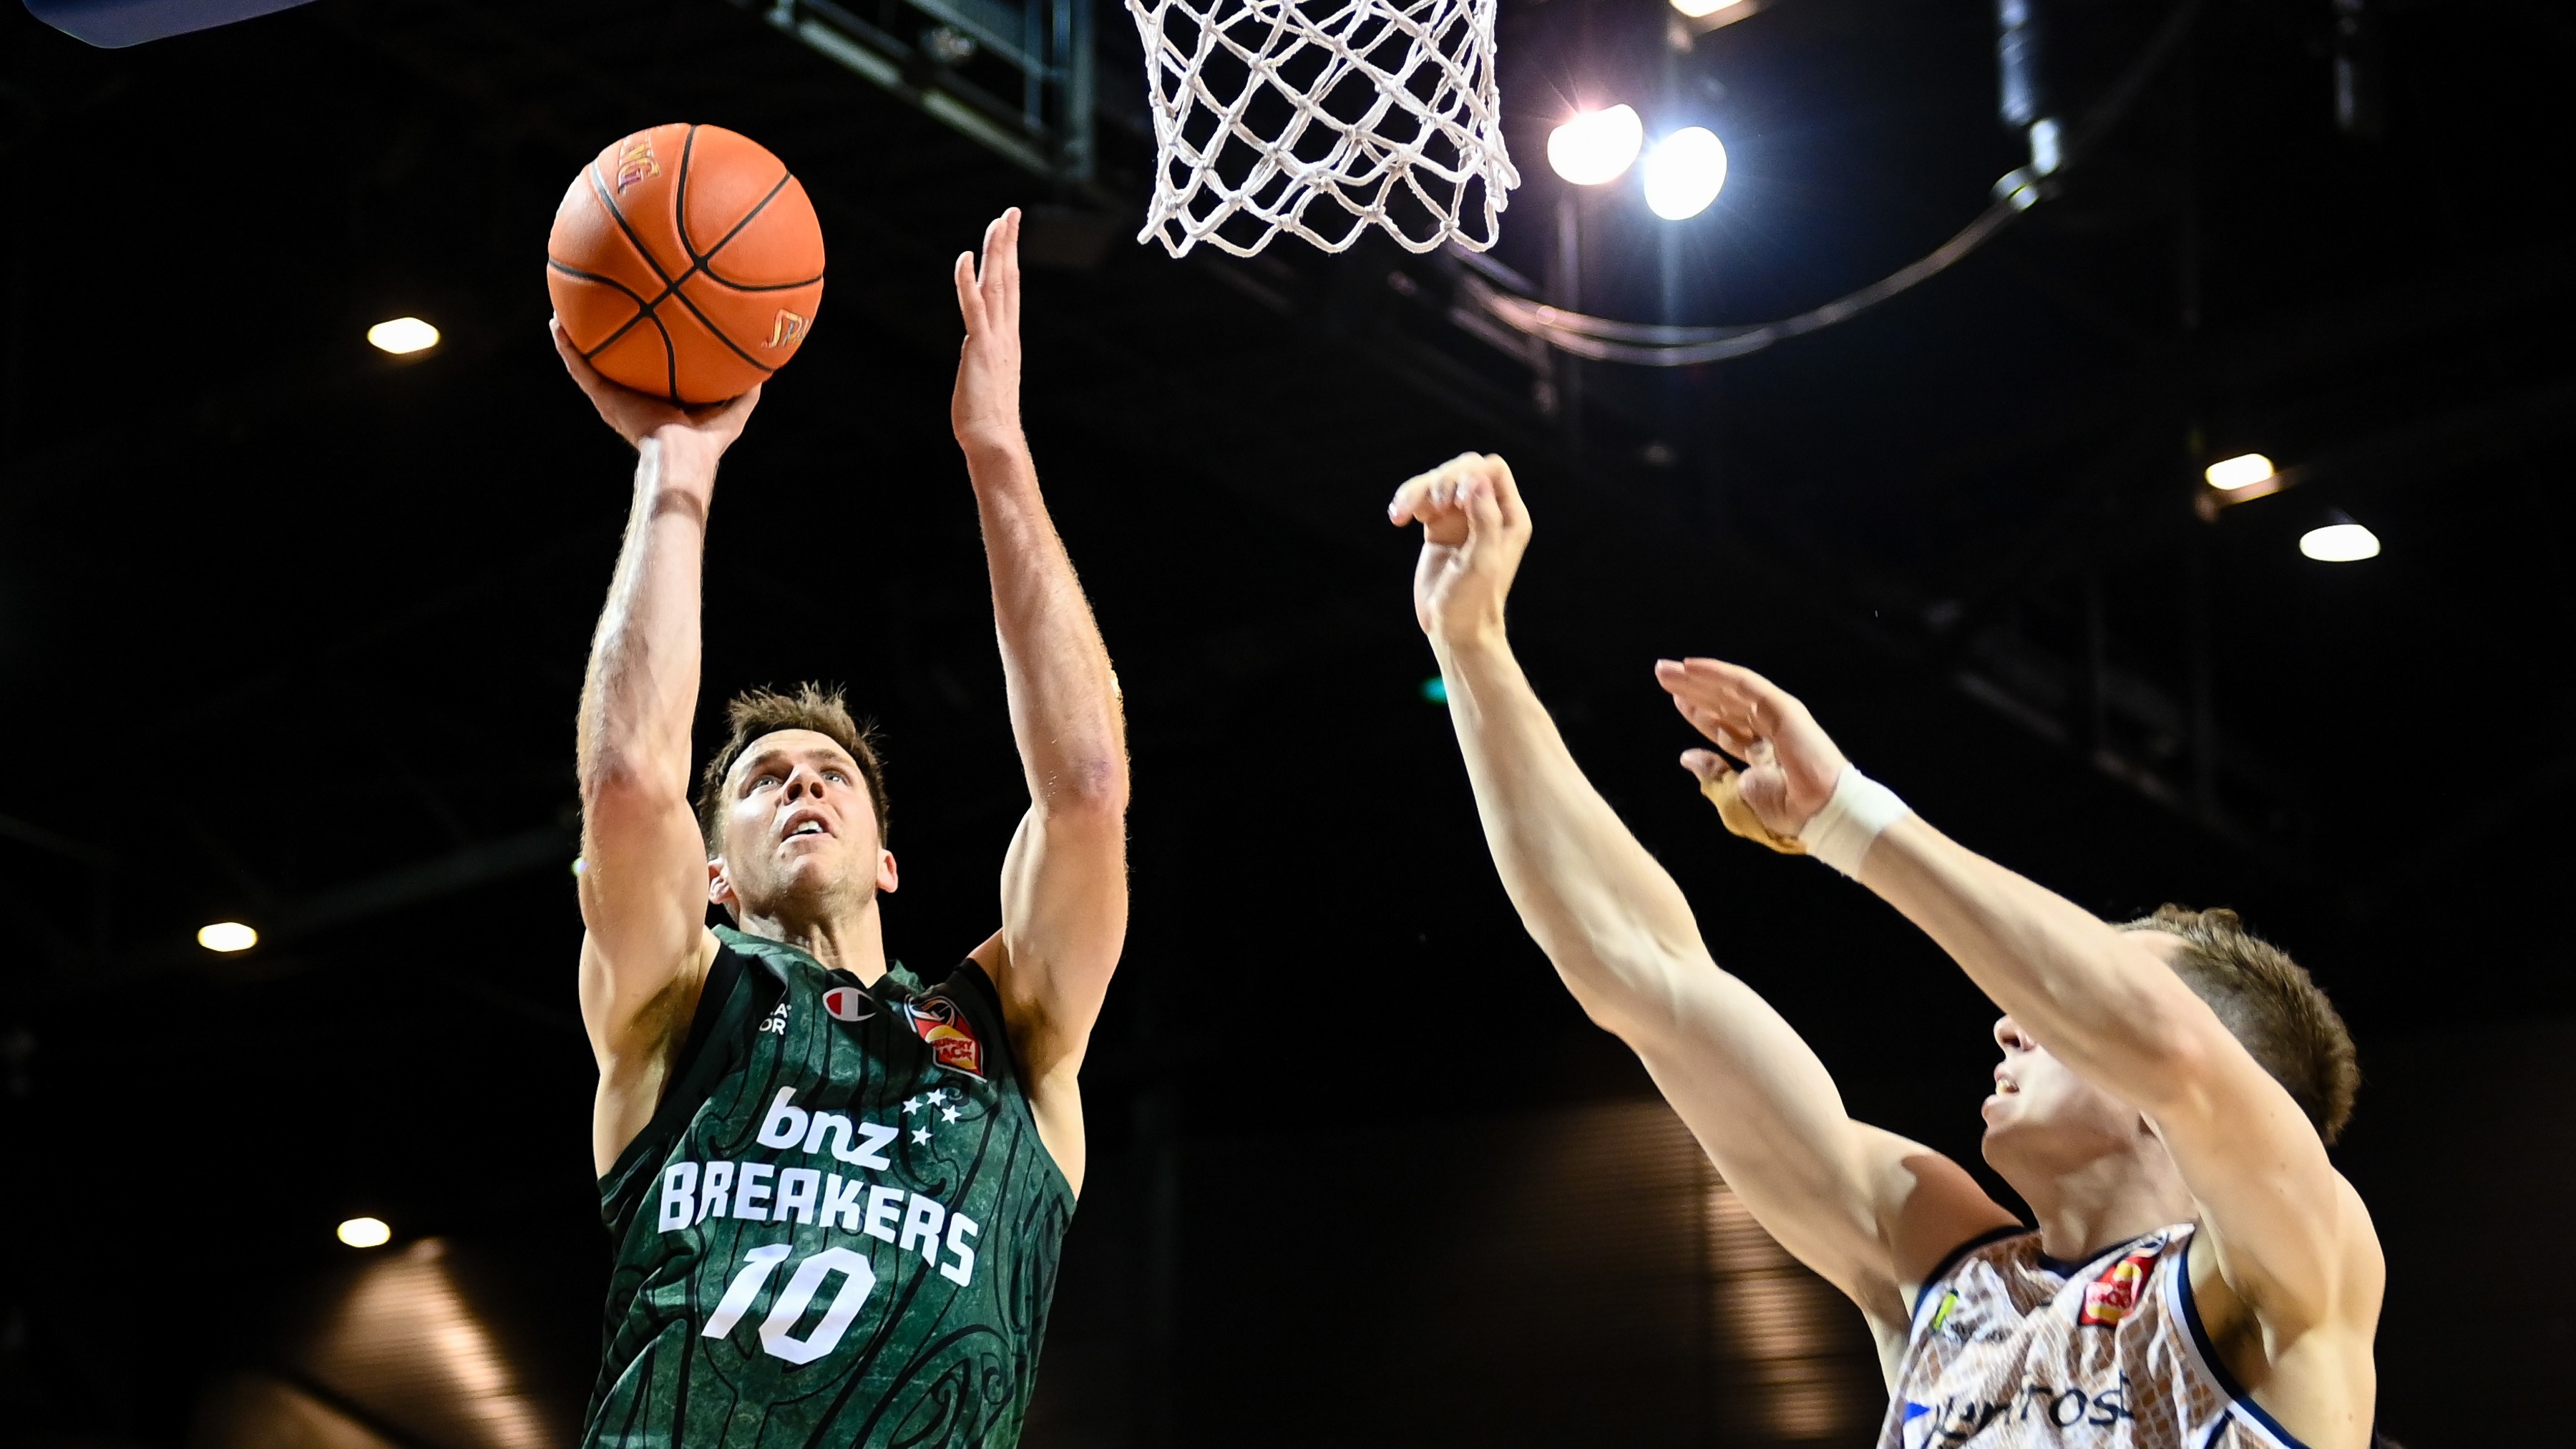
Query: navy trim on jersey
{"type": "Point", "coordinates": [1951, 1260]}
{"type": "Point", "coordinates": [2208, 1350]}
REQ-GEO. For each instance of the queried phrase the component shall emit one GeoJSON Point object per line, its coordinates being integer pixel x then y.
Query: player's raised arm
{"type": "Point", "coordinates": [1868, 1210]}
{"type": "Point", "coordinates": [644, 864]}
{"type": "Point", "coordinates": [1064, 881]}
{"type": "Point", "coordinates": [2294, 1243]}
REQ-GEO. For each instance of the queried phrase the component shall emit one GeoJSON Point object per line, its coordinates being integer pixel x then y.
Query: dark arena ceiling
{"type": "Point", "coordinates": [292, 631]}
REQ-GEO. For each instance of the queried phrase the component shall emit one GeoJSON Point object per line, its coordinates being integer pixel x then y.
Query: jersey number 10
{"type": "Point", "coordinates": [776, 1339]}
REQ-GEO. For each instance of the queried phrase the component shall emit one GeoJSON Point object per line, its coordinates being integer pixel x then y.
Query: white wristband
{"type": "Point", "coordinates": [1841, 833]}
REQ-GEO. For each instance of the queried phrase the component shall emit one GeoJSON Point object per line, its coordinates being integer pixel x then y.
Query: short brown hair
{"type": "Point", "coordinates": [2270, 1005]}
{"type": "Point", "coordinates": [765, 711]}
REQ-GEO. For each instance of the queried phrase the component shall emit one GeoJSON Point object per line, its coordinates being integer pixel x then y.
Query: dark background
{"type": "Point", "coordinates": [291, 633]}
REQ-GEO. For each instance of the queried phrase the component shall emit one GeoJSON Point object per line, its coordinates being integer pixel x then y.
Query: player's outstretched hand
{"type": "Point", "coordinates": [985, 409]}
{"type": "Point", "coordinates": [1790, 763]}
{"type": "Point", "coordinates": [637, 417]}
{"type": "Point", "coordinates": [1474, 530]}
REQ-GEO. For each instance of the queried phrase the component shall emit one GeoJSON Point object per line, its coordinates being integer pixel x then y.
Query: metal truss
{"type": "Point", "coordinates": [1014, 75]}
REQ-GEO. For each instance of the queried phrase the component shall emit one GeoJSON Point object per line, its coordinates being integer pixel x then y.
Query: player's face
{"type": "Point", "coordinates": [2042, 1117]}
{"type": "Point", "coordinates": [798, 823]}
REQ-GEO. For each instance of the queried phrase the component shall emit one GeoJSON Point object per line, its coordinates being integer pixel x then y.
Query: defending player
{"type": "Point", "coordinates": [837, 1194]}
{"type": "Point", "coordinates": [2200, 1277]}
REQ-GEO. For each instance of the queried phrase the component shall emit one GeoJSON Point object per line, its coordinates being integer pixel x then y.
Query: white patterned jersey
{"type": "Point", "coordinates": [2012, 1349]}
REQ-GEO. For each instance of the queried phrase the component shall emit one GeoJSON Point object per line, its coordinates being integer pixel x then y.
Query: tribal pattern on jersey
{"type": "Point", "coordinates": [840, 1227]}
{"type": "Point", "coordinates": [2013, 1350]}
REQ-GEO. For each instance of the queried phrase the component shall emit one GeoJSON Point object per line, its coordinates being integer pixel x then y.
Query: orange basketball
{"type": "Point", "coordinates": [686, 263]}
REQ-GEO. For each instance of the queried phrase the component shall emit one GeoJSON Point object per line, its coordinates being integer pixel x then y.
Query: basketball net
{"type": "Point", "coordinates": [1384, 110]}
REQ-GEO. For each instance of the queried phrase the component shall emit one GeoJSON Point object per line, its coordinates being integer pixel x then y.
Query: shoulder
{"type": "Point", "coordinates": [642, 1063]}
{"type": "Point", "coordinates": [1932, 1213]}
{"type": "Point", "coordinates": [633, 1037]}
{"type": "Point", "coordinates": [968, 996]}
{"type": "Point", "coordinates": [2234, 1295]}
{"type": "Point", "coordinates": [2307, 1362]}
{"type": "Point", "coordinates": [2000, 1243]}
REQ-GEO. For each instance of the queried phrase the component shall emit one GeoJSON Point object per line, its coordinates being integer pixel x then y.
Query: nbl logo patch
{"type": "Point", "coordinates": [953, 1043]}
{"type": "Point", "coordinates": [2114, 1296]}
{"type": "Point", "coordinates": [849, 1003]}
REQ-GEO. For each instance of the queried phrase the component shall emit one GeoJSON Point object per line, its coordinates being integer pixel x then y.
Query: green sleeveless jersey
{"type": "Point", "coordinates": [839, 1229]}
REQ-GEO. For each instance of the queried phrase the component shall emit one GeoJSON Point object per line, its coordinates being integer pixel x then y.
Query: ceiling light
{"type": "Point", "coordinates": [1717, 12]}
{"type": "Point", "coordinates": [1596, 146]}
{"type": "Point", "coordinates": [2242, 471]}
{"type": "Point", "coordinates": [1684, 173]}
{"type": "Point", "coordinates": [227, 936]}
{"type": "Point", "coordinates": [366, 1233]}
{"type": "Point", "coordinates": [2345, 542]}
{"type": "Point", "coordinates": [402, 335]}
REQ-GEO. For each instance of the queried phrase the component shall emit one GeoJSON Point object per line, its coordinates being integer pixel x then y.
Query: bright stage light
{"type": "Point", "coordinates": [1436, 690]}
{"type": "Point", "coordinates": [1596, 146]}
{"type": "Point", "coordinates": [1708, 10]}
{"type": "Point", "coordinates": [227, 937]}
{"type": "Point", "coordinates": [2345, 542]}
{"type": "Point", "coordinates": [366, 1233]}
{"type": "Point", "coordinates": [1684, 173]}
{"type": "Point", "coordinates": [403, 334]}
{"type": "Point", "coordinates": [2242, 471]}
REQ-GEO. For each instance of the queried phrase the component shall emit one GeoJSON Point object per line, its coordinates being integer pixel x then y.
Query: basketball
{"type": "Point", "coordinates": [686, 263]}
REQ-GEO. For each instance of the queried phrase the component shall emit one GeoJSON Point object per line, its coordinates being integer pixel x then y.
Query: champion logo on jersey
{"type": "Point", "coordinates": [849, 1003]}
{"type": "Point", "coordinates": [2114, 1295]}
{"type": "Point", "coordinates": [953, 1043]}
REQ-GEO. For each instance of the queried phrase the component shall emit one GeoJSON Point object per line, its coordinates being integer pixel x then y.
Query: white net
{"type": "Point", "coordinates": [1383, 110]}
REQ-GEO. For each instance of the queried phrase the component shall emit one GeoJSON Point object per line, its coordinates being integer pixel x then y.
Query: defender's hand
{"type": "Point", "coordinates": [1473, 532]}
{"type": "Point", "coordinates": [1790, 764]}
{"type": "Point", "coordinates": [636, 417]}
{"type": "Point", "coordinates": [985, 408]}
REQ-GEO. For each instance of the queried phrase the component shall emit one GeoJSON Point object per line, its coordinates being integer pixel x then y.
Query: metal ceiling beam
{"type": "Point", "coordinates": [1047, 128]}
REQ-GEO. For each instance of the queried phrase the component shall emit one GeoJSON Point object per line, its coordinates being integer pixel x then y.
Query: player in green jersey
{"type": "Point", "coordinates": [837, 1193]}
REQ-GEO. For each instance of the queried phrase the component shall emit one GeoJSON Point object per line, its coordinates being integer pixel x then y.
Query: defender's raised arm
{"type": "Point", "coordinates": [1865, 1208]}
{"type": "Point", "coordinates": [1064, 881]}
{"type": "Point", "coordinates": [644, 865]}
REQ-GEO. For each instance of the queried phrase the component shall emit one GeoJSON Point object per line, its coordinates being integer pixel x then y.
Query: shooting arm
{"type": "Point", "coordinates": [643, 883]}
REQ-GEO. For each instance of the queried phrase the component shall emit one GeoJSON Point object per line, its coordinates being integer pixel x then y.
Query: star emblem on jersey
{"type": "Point", "coordinates": [849, 1003]}
{"type": "Point", "coordinates": [947, 1114]}
{"type": "Point", "coordinates": [953, 1043]}
{"type": "Point", "coordinates": [921, 1135]}
{"type": "Point", "coordinates": [911, 1105]}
